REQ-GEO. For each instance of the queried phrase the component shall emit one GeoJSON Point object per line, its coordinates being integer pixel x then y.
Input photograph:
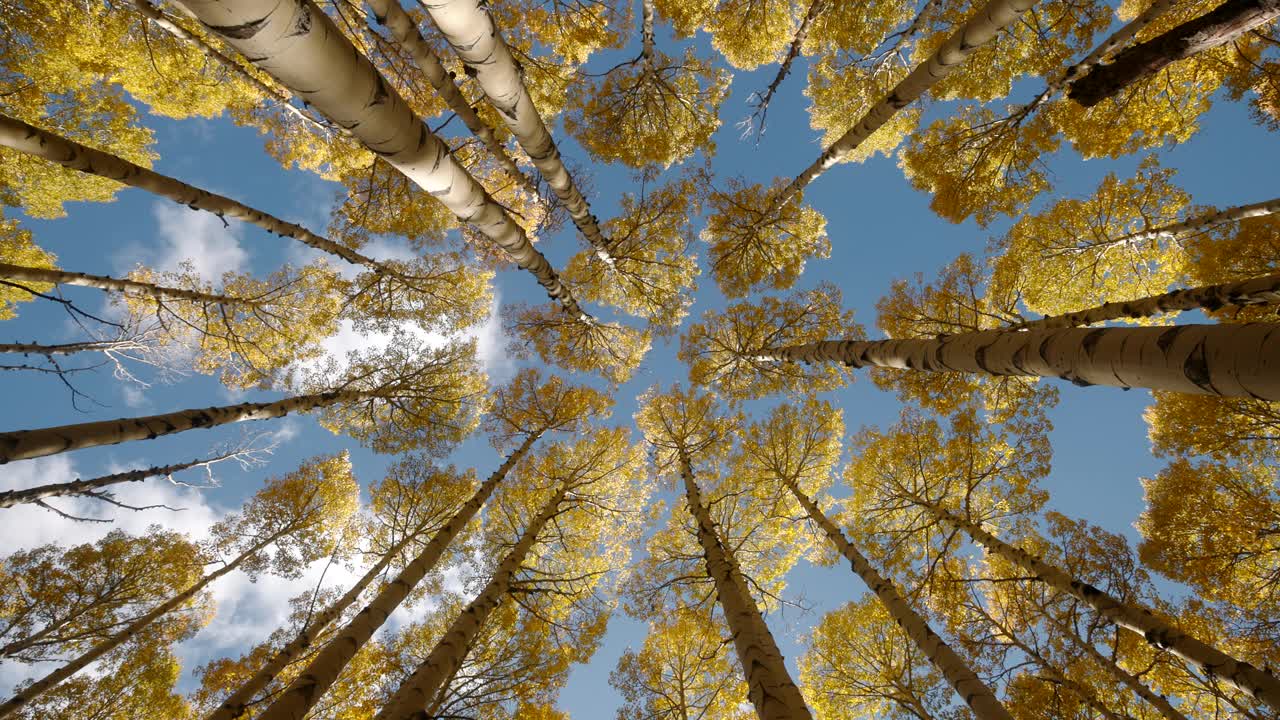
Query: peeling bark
{"type": "Point", "coordinates": [447, 656]}
{"type": "Point", "coordinates": [306, 690]}
{"type": "Point", "coordinates": [972, 690]}
{"type": "Point", "coordinates": [24, 444]}
{"type": "Point", "coordinates": [1214, 663]}
{"type": "Point", "coordinates": [1224, 360]}
{"type": "Point", "coordinates": [1218, 27]}
{"type": "Point", "coordinates": [1254, 291]}
{"type": "Point", "coordinates": [299, 46]}
{"type": "Point", "coordinates": [979, 31]}
{"type": "Point", "coordinates": [475, 37]}
{"type": "Point", "coordinates": [769, 686]}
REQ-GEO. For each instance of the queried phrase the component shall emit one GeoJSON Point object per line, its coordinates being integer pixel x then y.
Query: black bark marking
{"type": "Point", "coordinates": [1091, 340]}
{"type": "Point", "coordinates": [1196, 369]}
{"type": "Point", "coordinates": [301, 22]}
{"type": "Point", "coordinates": [243, 31]}
{"type": "Point", "coordinates": [1165, 341]}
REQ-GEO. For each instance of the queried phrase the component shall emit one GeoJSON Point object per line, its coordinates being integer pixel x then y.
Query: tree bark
{"type": "Point", "coordinates": [405, 33]}
{"type": "Point", "coordinates": [1196, 224]}
{"type": "Point", "coordinates": [20, 273]}
{"type": "Point", "coordinates": [65, 348]}
{"type": "Point", "coordinates": [299, 46]}
{"type": "Point", "coordinates": [980, 30]}
{"type": "Point", "coordinates": [419, 689]}
{"type": "Point", "coordinates": [971, 689]}
{"type": "Point", "coordinates": [1257, 683]}
{"type": "Point", "coordinates": [81, 487]}
{"type": "Point", "coordinates": [1223, 360]}
{"type": "Point", "coordinates": [769, 686]}
{"type": "Point", "coordinates": [1221, 25]}
{"type": "Point", "coordinates": [236, 705]}
{"type": "Point", "coordinates": [476, 39]}
{"type": "Point", "coordinates": [29, 139]}
{"type": "Point", "coordinates": [1159, 702]}
{"type": "Point", "coordinates": [25, 444]}
{"type": "Point", "coordinates": [306, 690]}
{"type": "Point", "coordinates": [39, 687]}
{"type": "Point", "coordinates": [1254, 291]}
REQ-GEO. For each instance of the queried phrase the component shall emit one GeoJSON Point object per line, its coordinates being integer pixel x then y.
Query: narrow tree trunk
{"type": "Point", "coordinates": [476, 39]}
{"type": "Point", "coordinates": [1223, 360]}
{"type": "Point", "coordinates": [20, 273]}
{"type": "Point", "coordinates": [419, 689]}
{"type": "Point", "coordinates": [980, 30]}
{"type": "Point", "coordinates": [81, 487]}
{"type": "Point", "coordinates": [1218, 27]}
{"type": "Point", "coordinates": [307, 688]}
{"type": "Point", "coordinates": [769, 686]}
{"type": "Point", "coordinates": [237, 704]}
{"type": "Point", "coordinates": [405, 33]}
{"type": "Point", "coordinates": [29, 139]}
{"type": "Point", "coordinates": [762, 100]}
{"type": "Point", "coordinates": [1257, 683]}
{"type": "Point", "coordinates": [1159, 702]}
{"type": "Point", "coordinates": [24, 444]}
{"type": "Point", "coordinates": [971, 689]}
{"type": "Point", "coordinates": [299, 46]}
{"type": "Point", "coordinates": [39, 687]}
{"type": "Point", "coordinates": [65, 348]}
{"type": "Point", "coordinates": [647, 39]}
{"type": "Point", "coordinates": [1189, 226]}
{"type": "Point", "coordinates": [1254, 291]}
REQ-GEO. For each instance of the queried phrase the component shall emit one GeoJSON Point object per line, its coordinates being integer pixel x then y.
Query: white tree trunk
{"type": "Point", "coordinates": [29, 139]}
{"type": "Point", "coordinates": [307, 688]}
{"type": "Point", "coordinates": [24, 444]}
{"type": "Point", "coordinates": [1193, 225]}
{"type": "Point", "coordinates": [1214, 663]}
{"type": "Point", "coordinates": [236, 705]}
{"type": "Point", "coordinates": [769, 686]}
{"type": "Point", "coordinates": [39, 687]}
{"type": "Point", "coordinates": [980, 30]}
{"type": "Point", "coordinates": [475, 37]}
{"type": "Point", "coordinates": [405, 33]}
{"type": "Point", "coordinates": [971, 689]}
{"type": "Point", "coordinates": [22, 273]}
{"type": "Point", "coordinates": [415, 693]}
{"type": "Point", "coordinates": [80, 487]}
{"type": "Point", "coordinates": [1223, 360]}
{"type": "Point", "coordinates": [299, 46]}
{"type": "Point", "coordinates": [1254, 291]}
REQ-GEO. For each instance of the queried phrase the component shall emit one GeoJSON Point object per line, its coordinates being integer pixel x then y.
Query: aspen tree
{"type": "Point", "coordinates": [600, 471]}
{"type": "Point", "coordinates": [681, 670]}
{"type": "Point", "coordinates": [612, 349]}
{"type": "Point", "coordinates": [1223, 360]}
{"type": "Point", "coordinates": [133, 682]}
{"type": "Point", "coordinates": [296, 515]}
{"type": "Point", "coordinates": [799, 447]}
{"type": "Point", "coordinates": [477, 40]}
{"type": "Point", "coordinates": [247, 453]}
{"type": "Point", "coordinates": [719, 349]}
{"type": "Point", "coordinates": [653, 270]}
{"type": "Point", "coordinates": [760, 101]}
{"type": "Point", "coordinates": [404, 397]}
{"type": "Point", "coordinates": [328, 73]}
{"type": "Point", "coordinates": [681, 427]}
{"type": "Point", "coordinates": [978, 31]}
{"type": "Point", "coordinates": [1222, 25]}
{"type": "Point", "coordinates": [61, 601]}
{"type": "Point", "coordinates": [522, 413]}
{"type": "Point", "coordinates": [654, 109]}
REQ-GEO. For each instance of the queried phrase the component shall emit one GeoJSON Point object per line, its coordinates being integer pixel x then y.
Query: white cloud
{"type": "Point", "coordinates": [199, 238]}
{"type": "Point", "coordinates": [491, 346]}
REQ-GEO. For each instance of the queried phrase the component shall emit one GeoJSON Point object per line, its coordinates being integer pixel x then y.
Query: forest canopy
{"type": "Point", "coordinates": [666, 359]}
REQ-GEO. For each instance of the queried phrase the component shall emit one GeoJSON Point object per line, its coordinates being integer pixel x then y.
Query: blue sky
{"type": "Point", "coordinates": [880, 228]}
